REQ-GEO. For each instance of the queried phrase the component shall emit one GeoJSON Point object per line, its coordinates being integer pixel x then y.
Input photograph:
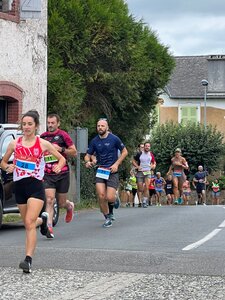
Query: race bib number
{"type": "Point", "coordinates": [178, 172]}
{"type": "Point", "coordinates": [25, 165]}
{"type": "Point", "coordinates": [103, 173]}
{"type": "Point", "coordinates": [146, 172]}
{"type": "Point", "coordinates": [50, 159]}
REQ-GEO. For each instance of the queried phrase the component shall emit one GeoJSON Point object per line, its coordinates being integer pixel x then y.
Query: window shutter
{"type": "Point", "coordinates": [189, 114]}
{"type": "Point", "coordinates": [30, 9]}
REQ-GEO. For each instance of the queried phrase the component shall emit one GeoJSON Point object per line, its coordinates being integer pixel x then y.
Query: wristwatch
{"type": "Point", "coordinates": [63, 149]}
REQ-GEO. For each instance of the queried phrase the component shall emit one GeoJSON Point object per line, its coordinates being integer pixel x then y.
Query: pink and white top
{"type": "Point", "coordinates": [29, 161]}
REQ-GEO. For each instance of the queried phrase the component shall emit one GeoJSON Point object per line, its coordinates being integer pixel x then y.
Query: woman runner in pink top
{"type": "Point", "coordinates": [28, 171]}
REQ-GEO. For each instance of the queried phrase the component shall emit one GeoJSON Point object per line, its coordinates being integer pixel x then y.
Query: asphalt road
{"type": "Point", "coordinates": [154, 253]}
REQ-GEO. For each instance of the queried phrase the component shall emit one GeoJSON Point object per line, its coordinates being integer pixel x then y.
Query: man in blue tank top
{"type": "Point", "coordinates": [105, 147]}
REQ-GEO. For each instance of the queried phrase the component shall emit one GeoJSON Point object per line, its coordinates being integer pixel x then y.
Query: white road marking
{"type": "Point", "coordinates": [202, 241]}
{"type": "Point", "coordinates": [222, 225]}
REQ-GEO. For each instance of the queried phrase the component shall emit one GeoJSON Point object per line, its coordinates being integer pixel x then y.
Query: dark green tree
{"type": "Point", "coordinates": [199, 146]}
{"type": "Point", "coordinates": [102, 62]}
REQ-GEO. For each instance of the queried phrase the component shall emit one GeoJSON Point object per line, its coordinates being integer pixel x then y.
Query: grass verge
{"type": "Point", "coordinates": [82, 205]}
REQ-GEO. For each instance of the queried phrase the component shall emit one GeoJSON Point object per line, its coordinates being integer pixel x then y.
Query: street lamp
{"type": "Point", "coordinates": [205, 83]}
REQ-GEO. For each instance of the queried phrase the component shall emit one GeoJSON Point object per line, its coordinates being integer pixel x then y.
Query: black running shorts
{"type": "Point", "coordinates": [60, 182]}
{"type": "Point", "coordinates": [113, 180]}
{"type": "Point", "coordinates": [28, 188]}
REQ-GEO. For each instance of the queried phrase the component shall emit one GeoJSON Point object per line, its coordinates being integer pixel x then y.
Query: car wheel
{"type": "Point", "coordinates": [56, 212]}
{"type": "Point", "coordinates": [1, 213]}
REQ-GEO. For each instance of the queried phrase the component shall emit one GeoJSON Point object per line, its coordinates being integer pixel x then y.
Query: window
{"type": "Point", "coordinates": [6, 142]}
{"type": "Point", "coordinates": [6, 6]}
{"type": "Point", "coordinates": [189, 113]}
{"type": "Point", "coordinates": [9, 10]}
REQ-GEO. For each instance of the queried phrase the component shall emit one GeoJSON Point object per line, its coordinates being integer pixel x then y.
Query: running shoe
{"type": "Point", "coordinates": [117, 202]}
{"type": "Point", "coordinates": [111, 217]}
{"type": "Point", "coordinates": [50, 234]}
{"type": "Point", "coordinates": [44, 225]}
{"type": "Point", "coordinates": [145, 205]}
{"type": "Point", "coordinates": [108, 223]}
{"type": "Point", "coordinates": [25, 266]}
{"type": "Point", "coordinates": [180, 200]}
{"type": "Point", "coordinates": [69, 213]}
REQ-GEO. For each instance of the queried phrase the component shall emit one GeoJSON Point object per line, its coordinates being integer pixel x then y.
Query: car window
{"type": "Point", "coordinates": [5, 144]}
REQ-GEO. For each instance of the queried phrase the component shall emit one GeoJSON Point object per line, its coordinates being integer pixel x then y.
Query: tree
{"type": "Point", "coordinates": [102, 62]}
{"type": "Point", "coordinates": [199, 146]}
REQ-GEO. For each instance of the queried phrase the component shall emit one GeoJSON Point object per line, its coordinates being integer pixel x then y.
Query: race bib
{"type": "Point", "coordinates": [146, 172]}
{"type": "Point", "coordinates": [177, 172]}
{"type": "Point", "coordinates": [50, 159]}
{"type": "Point", "coordinates": [25, 165]}
{"type": "Point", "coordinates": [103, 173]}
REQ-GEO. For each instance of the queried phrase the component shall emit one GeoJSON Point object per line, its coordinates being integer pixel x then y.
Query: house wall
{"type": "Point", "coordinates": [23, 60]}
{"type": "Point", "coordinates": [168, 114]}
{"type": "Point", "coordinates": [214, 116]}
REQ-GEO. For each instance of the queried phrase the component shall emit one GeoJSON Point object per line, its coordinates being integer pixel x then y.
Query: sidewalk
{"type": "Point", "coordinates": [78, 285]}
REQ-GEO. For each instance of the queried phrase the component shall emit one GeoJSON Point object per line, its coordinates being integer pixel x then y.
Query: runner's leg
{"type": "Point", "coordinates": [50, 198]}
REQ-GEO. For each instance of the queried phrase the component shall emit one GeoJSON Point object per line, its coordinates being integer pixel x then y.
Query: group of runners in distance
{"type": "Point", "coordinates": [41, 173]}
{"type": "Point", "coordinates": [143, 186]}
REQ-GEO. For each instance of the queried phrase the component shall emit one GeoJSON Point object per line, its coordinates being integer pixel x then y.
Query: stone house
{"type": "Point", "coordinates": [23, 59]}
{"type": "Point", "coordinates": [184, 97]}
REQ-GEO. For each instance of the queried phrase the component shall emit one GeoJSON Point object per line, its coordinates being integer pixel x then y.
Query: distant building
{"type": "Point", "coordinates": [23, 59]}
{"type": "Point", "coordinates": [183, 99]}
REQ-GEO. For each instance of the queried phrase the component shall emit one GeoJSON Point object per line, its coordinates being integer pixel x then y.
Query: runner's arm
{"type": "Point", "coordinates": [71, 151]}
{"type": "Point", "coordinates": [114, 167]}
{"type": "Point", "coordinates": [50, 148]}
{"type": "Point", "coordinates": [4, 163]}
{"type": "Point", "coordinates": [89, 162]}
{"type": "Point", "coordinates": [170, 170]}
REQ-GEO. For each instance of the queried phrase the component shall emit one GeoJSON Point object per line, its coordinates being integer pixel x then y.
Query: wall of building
{"type": "Point", "coordinates": [23, 60]}
{"type": "Point", "coordinates": [214, 116]}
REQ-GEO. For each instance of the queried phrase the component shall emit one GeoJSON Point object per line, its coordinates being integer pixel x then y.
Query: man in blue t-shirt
{"type": "Point", "coordinates": [105, 147]}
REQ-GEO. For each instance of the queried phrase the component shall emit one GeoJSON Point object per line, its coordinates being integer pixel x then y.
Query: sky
{"type": "Point", "coordinates": [187, 27]}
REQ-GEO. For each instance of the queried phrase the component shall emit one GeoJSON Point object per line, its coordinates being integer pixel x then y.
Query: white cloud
{"type": "Point", "coordinates": [188, 27]}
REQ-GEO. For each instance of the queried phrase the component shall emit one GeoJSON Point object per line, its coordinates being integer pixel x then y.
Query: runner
{"type": "Point", "coordinates": [159, 188]}
{"type": "Point", "coordinates": [105, 146]}
{"type": "Point", "coordinates": [57, 183]}
{"type": "Point", "coordinates": [169, 189]}
{"type": "Point", "coordinates": [28, 172]}
{"type": "Point", "coordinates": [133, 183]}
{"type": "Point", "coordinates": [215, 192]}
{"type": "Point", "coordinates": [199, 182]}
{"type": "Point", "coordinates": [144, 161]}
{"type": "Point", "coordinates": [178, 165]}
{"type": "Point", "coordinates": [151, 187]}
{"type": "Point", "coordinates": [186, 191]}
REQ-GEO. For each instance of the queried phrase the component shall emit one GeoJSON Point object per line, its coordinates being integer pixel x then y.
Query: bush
{"type": "Point", "coordinates": [199, 146]}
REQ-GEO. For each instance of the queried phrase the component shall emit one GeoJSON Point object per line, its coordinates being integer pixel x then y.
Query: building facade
{"type": "Point", "coordinates": [23, 59]}
{"type": "Point", "coordinates": [184, 97]}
